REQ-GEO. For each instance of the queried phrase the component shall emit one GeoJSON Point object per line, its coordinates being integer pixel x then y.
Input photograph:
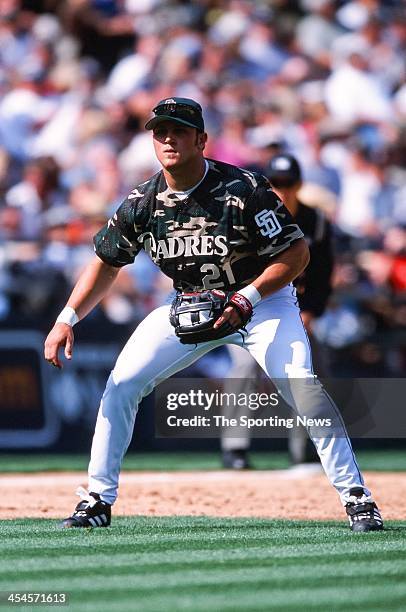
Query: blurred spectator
{"type": "Point", "coordinates": [351, 83]}
{"type": "Point", "coordinates": [355, 14]}
{"type": "Point", "coordinates": [318, 30]}
{"type": "Point", "coordinates": [131, 72]}
{"type": "Point", "coordinates": [37, 192]}
{"type": "Point", "coordinates": [360, 186]}
{"type": "Point", "coordinates": [231, 146]}
{"type": "Point", "coordinates": [104, 28]}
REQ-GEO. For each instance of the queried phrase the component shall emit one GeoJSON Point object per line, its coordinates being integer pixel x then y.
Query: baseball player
{"type": "Point", "coordinates": [232, 249]}
{"type": "Point", "coordinates": [313, 288]}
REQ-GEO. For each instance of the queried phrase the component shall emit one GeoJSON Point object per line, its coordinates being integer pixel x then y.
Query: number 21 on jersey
{"type": "Point", "coordinates": [213, 273]}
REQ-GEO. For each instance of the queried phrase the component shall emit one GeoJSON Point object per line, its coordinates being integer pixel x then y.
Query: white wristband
{"type": "Point", "coordinates": [68, 316]}
{"type": "Point", "coordinates": [251, 293]}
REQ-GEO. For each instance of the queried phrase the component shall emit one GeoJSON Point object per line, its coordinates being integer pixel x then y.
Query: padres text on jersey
{"type": "Point", "coordinates": [221, 236]}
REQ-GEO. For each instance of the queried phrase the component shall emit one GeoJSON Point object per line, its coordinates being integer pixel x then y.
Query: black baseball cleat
{"type": "Point", "coordinates": [235, 460]}
{"type": "Point", "coordinates": [90, 512]}
{"type": "Point", "coordinates": [363, 512]}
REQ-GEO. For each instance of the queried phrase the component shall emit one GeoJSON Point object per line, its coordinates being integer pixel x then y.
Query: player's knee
{"type": "Point", "coordinates": [124, 390]}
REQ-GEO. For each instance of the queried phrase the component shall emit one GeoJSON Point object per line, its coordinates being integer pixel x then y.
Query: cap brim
{"type": "Point", "coordinates": [156, 120]}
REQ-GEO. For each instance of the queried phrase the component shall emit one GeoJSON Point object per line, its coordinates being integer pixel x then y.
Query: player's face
{"type": "Point", "coordinates": [177, 145]}
{"type": "Point", "coordinates": [288, 195]}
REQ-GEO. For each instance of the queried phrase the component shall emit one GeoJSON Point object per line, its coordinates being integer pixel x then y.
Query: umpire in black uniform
{"type": "Point", "coordinates": [313, 288]}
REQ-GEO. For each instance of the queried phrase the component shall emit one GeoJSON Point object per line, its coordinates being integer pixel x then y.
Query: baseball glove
{"type": "Point", "coordinates": [193, 315]}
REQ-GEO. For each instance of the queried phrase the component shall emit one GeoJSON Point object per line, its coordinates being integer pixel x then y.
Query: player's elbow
{"type": "Point", "coordinates": [104, 268]}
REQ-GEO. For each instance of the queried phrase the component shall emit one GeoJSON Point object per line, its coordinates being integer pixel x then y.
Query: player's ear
{"type": "Point", "coordinates": [201, 140]}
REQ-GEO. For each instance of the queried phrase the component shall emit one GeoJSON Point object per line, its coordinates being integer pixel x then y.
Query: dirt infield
{"type": "Point", "coordinates": [267, 494]}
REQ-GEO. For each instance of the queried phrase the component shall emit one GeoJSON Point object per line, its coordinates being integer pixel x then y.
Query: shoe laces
{"type": "Point", "coordinates": [364, 499]}
{"type": "Point", "coordinates": [86, 497]}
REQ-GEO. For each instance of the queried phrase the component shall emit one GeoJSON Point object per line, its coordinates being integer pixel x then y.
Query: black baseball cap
{"type": "Point", "coordinates": [284, 171]}
{"type": "Point", "coordinates": [181, 110]}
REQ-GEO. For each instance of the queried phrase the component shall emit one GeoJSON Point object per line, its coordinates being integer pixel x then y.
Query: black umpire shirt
{"type": "Point", "coordinates": [314, 284]}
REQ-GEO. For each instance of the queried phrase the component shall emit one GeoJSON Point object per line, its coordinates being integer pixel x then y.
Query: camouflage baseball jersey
{"type": "Point", "coordinates": [222, 235]}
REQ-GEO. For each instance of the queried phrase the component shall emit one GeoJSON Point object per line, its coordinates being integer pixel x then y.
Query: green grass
{"type": "Point", "coordinates": [199, 564]}
{"type": "Point", "coordinates": [380, 460]}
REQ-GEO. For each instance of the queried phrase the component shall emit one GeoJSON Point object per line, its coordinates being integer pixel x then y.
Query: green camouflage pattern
{"type": "Point", "coordinates": [222, 236]}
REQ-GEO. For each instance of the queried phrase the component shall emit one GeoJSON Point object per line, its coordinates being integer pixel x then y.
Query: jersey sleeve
{"type": "Point", "coordinates": [116, 243]}
{"type": "Point", "coordinates": [270, 224]}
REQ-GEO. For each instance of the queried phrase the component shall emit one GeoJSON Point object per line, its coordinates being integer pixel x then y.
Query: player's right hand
{"type": "Point", "coordinates": [61, 335]}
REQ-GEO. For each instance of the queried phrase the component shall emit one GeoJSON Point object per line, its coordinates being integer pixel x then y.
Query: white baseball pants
{"type": "Point", "coordinates": [275, 338]}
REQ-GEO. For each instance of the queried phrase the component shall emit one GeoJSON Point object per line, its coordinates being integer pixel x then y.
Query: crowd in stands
{"type": "Point", "coordinates": [322, 79]}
